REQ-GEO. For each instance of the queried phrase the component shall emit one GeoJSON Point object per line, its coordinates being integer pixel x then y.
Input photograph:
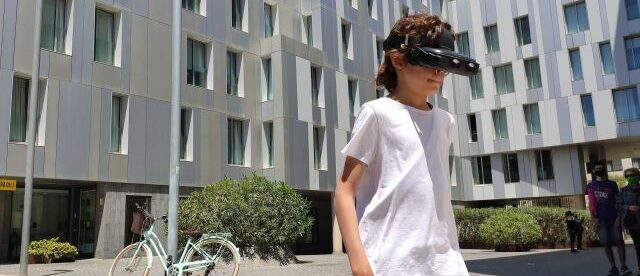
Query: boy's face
{"type": "Point", "coordinates": [421, 80]}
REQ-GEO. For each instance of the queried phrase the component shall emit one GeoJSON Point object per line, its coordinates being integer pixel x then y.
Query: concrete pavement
{"type": "Point", "coordinates": [479, 262]}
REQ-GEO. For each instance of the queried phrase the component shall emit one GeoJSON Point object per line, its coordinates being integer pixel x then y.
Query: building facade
{"type": "Point", "coordinates": [268, 86]}
{"type": "Point", "coordinates": [273, 87]}
{"type": "Point", "coordinates": [557, 91]}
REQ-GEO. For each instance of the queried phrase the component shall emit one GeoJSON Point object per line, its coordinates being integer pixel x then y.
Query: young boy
{"type": "Point", "coordinates": [397, 167]}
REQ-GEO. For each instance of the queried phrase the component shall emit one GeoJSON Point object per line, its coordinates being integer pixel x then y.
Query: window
{"type": "Point", "coordinates": [186, 134]}
{"type": "Point", "coordinates": [405, 11]}
{"type": "Point", "coordinates": [237, 13]}
{"type": "Point", "coordinates": [196, 63]}
{"type": "Point", "coordinates": [576, 64]}
{"type": "Point", "coordinates": [481, 170]}
{"type": "Point", "coordinates": [587, 110]}
{"type": "Point", "coordinates": [268, 78]}
{"type": "Point", "coordinates": [475, 82]}
{"type": "Point", "coordinates": [632, 9]}
{"type": "Point", "coordinates": [500, 124]}
{"type": "Point", "coordinates": [268, 20]}
{"type": "Point", "coordinates": [353, 92]}
{"type": "Point", "coordinates": [462, 43]}
{"type": "Point", "coordinates": [532, 69]}
{"type": "Point", "coordinates": [118, 111]}
{"type": "Point", "coordinates": [236, 142]}
{"type": "Point", "coordinates": [625, 101]}
{"type": "Point", "coordinates": [346, 40]}
{"type": "Point", "coordinates": [315, 86]}
{"type": "Point", "coordinates": [607, 58]}
{"type": "Point", "coordinates": [308, 27]}
{"type": "Point", "coordinates": [544, 165]}
{"type": "Point", "coordinates": [232, 73]}
{"type": "Point", "coordinates": [268, 133]}
{"type": "Point", "coordinates": [353, 3]}
{"type": "Point", "coordinates": [510, 168]}
{"type": "Point", "coordinates": [473, 128]}
{"type": "Point", "coordinates": [54, 25]}
{"type": "Point", "coordinates": [609, 164]}
{"type": "Point", "coordinates": [318, 140]}
{"type": "Point", "coordinates": [635, 163]}
{"type": "Point", "coordinates": [632, 46]}
{"type": "Point", "coordinates": [19, 110]}
{"type": "Point", "coordinates": [491, 38]}
{"type": "Point", "coordinates": [523, 35]}
{"type": "Point", "coordinates": [379, 51]}
{"type": "Point", "coordinates": [105, 37]}
{"type": "Point", "coordinates": [371, 4]}
{"type": "Point", "coordinates": [192, 5]}
{"type": "Point", "coordinates": [504, 79]}
{"type": "Point", "coordinates": [532, 118]}
{"type": "Point", "coordinates": [576, 17]}
{"type": "Point", "coordinates": [379, 93]}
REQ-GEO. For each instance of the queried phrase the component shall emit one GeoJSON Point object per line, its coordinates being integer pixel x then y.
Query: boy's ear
{"type": "Point", "coordinates": [398, 61]}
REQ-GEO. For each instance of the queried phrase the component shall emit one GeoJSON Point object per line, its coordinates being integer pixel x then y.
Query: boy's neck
{"type": "Point", "coordinates": [409, 99]}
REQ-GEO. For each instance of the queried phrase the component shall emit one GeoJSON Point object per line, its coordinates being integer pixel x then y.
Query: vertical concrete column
{"type": "Point", "coordinates": [337, 237]}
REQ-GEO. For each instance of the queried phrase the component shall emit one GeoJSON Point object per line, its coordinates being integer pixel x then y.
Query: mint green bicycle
{"type": "Point", "coordinates": [209, 254]}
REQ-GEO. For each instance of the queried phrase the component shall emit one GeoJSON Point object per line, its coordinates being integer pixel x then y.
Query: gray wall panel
{"type": "Point", "coordinates": [74, 130]}
{"type": "Point", "coordinates": [157, 142]}
{"type": "Point", "coordinates": [8, 33]}
{"type": "Point", "coordinates": [137, 139]}
{"type": "Point", "coordinates": [6, 77]}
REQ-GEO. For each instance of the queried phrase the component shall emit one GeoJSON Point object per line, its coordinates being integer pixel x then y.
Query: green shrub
{"type": "Point", "coordinates": [52, 250]}
{"type": "Point", "coordinates": [510, 228]}
{"type": "Point", "coordinates": [468, 222]}
{"type": "Point", "coordinates": [265, 217]}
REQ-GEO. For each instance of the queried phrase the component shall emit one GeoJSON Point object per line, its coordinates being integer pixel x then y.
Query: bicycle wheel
{"type": "Point", "coordinates": [130, 262]}
{"type": "Point", "coordinates": [222, 253]}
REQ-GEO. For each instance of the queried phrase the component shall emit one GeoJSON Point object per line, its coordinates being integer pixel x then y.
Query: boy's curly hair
{"type": "Point", "coordinates": [419, 24]}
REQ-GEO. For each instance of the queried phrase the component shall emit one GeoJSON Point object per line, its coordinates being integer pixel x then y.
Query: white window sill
{"type": "Point", "coordinates": [199, 87]}
{"type": "Point", "coordinates": [186, 160]}
{"type": "Point", "coordinates": [118, 153]}
{"type": "Point", "coordinates": [194, 12]}
{"type": "Point", "coordinates": [482, 185]}
{"type": "Point", "coordinates": [106, 64]}
{"type": "Point", "coordinates": [238, 166]}
{"type": "Point", "coordinates": [56, 52]}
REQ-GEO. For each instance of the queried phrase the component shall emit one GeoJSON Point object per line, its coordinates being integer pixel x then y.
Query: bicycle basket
{"type": "Point", "coordinates": [140, 223]}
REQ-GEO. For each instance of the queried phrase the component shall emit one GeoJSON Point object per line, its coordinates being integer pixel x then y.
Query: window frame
{"type": "Point", "coordinates": [472, 122]}
{"type": "Point", "coordinates": [492, 37]}
{"type": "Point", "coordinates": [522, 40]}
{"type": "Point", "coordinates": [531, 115]}
{"type": "Point", "coordinates": [498, 116]}
{"type": "Point", "coordinates": [507, 166]}
{"type": "Point", "coordinates": [542, 166]}
{"type": "Point", "coordinates": [591, 114]}
{"type": "Point", "coordinates": [480, 175]}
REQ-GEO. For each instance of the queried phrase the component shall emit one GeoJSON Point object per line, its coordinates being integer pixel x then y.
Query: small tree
{"type": "Point", "coordinates": [265, 217]}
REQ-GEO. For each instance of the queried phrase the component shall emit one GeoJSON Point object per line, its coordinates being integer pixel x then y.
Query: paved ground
{"type": "Point", "coordinates": [480, 262]}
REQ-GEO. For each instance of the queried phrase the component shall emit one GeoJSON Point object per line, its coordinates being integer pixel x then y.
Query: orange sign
{"type": "Point", "coordinates": [7, 185]}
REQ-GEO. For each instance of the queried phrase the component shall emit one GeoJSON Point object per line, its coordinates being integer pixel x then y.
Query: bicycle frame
{"type": "Point", "coordinates": [150, 238]}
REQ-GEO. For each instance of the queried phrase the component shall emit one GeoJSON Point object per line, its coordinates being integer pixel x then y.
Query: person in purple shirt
{"type": "Point", "coordinates": [602, 194]}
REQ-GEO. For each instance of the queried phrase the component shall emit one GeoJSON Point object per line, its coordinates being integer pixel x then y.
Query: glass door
{"type": "Point", "coordinates": [86, 223]}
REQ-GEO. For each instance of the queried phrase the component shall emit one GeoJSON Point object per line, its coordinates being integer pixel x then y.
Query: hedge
{"type": "Point", "coordinates": [550, 220]}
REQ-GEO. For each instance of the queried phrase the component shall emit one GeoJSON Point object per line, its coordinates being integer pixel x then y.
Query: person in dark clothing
{"type": "Point", "coordinates": [602, 194]}
{"type": "Point", "coordinates": [574, 230]}
{"type": "Point", "coordinates": [627, 203]}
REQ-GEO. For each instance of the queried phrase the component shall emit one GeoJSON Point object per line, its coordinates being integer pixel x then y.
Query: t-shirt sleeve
{"type": "Point", "coordinates": [364, 136]}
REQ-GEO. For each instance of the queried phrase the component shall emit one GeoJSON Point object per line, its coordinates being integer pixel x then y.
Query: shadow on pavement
{"type": "Point", "coordinates": [588, 262]}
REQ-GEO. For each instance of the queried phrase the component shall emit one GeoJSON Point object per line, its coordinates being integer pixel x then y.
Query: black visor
{"type": "Point", "coordinates": [439, 56]}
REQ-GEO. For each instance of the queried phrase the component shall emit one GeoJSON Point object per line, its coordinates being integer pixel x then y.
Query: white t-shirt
{"type": "Point", "coordinates": [403, 201]}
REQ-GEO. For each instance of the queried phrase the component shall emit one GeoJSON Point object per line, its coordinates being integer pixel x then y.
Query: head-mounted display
{"type": "Point", "coordinates": [441, 56]}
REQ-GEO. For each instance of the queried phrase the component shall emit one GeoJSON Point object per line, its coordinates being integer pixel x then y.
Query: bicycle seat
{"type": "Point", "coordinates": [194, 234]}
